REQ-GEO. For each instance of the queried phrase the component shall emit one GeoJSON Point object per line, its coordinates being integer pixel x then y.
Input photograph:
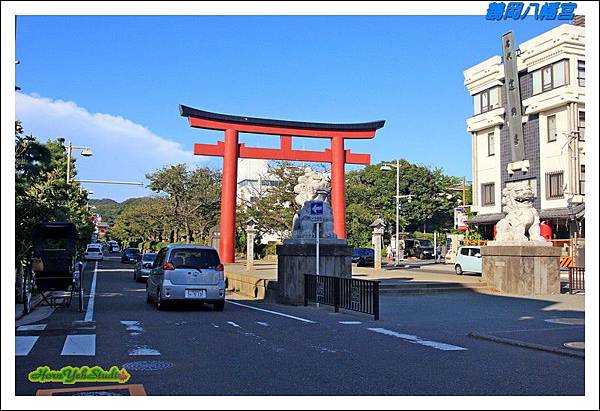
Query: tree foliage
{"type": "Point", "coordinates": [370, 193]}
{"type": "Point", "coordinates": [41, 190]}
{"type": "Point", "coordinates": [273, 207]}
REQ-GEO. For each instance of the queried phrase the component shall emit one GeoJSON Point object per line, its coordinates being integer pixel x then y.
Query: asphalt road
{"type": "Point", "coordinates": [420, 347]}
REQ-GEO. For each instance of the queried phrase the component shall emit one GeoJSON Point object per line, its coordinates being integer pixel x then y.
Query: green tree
{"type": "Point", "coordinates": [273, 207]}
{"type": "Point", "coordinates": [42, 193]}
{"type": "Point", "coordinates": [371, 193]}
{"type": "Point", "coordinates": [192, 197]}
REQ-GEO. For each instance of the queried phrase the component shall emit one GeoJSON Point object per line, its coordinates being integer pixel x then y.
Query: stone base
{"type": "Point", "coordinates": [296, 259]}
{"type": "Point", "coordinates": [522, 270]}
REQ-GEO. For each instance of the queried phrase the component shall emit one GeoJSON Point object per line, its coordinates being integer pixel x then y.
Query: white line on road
{"type": "Point", "coordinates": [233, 324]}
{"type": "Point", "coordinates": [350, 322]}
{"type": "Point", "coordinates": [262, 323]}
{"type": "Point", "coordinates": [23, 345]}
{"type": "Point", "coordinates": [89, 313]}
{"type": "Point", "coordinates": [143, 350]}
{"type": "Point", "coordinates": [32, 327]}
{"type": "Point", "coordinates": [417, 340]}
{"type": "Point", "coordinates": [79, 345]}
{"type": "Point", "coordinates": [304, 320]}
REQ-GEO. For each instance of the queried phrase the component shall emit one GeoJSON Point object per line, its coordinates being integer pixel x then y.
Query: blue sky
{"type": "Point", "coordinates": [115, 82]}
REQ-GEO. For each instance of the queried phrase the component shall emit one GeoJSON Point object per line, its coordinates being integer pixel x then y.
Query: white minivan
{"type": "Point", "coordinates": [468, 259]}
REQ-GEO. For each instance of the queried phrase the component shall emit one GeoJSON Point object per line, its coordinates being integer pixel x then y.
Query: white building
{"type": "Point", "coordinates": [552, 83]}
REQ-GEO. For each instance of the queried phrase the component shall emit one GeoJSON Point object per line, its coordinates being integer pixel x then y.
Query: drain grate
{"type": "Point", "coordinates": [147, 365]}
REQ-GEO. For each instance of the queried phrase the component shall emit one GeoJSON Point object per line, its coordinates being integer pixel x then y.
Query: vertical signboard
{"type": "Point", "coordinates": [513, 93]}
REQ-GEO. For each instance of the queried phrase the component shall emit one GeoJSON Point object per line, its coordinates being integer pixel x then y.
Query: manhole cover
{"type": "Point", "coordinates": [566, 321]}
{"type": "Point", "coordinates": [578, 345]}
{"type": "Point", "coordinates": [147, 365]}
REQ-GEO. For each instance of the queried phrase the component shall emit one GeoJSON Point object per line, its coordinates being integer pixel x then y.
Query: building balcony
{"type": "Point", "coordinates": [486, 120]}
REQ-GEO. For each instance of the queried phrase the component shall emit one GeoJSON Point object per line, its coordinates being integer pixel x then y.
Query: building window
{"type": "Point", "coordinates": [551, 128]}
{"type": "Point", "coordinates": [487, 100]}
{"type": "Point", "coordinates": [581, 72]}
{"type": "Point", "coordinates": [487, 194]}
{"type": "Point", "coordinates": [551, 77]}
{"type": "Point", "coordinates": [582, 180]}
{"type": "Point", "coordinates": [491, 141]}
{"type": "Point", "coordinates": [581, 126]}
{"type": "Point", "coordinates": [554, 185]}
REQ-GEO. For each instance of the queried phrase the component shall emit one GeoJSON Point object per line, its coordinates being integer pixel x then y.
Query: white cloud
{"type": "Point", "coordinates": [123, 150]}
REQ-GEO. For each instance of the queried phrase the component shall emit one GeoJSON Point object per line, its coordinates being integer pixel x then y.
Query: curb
{"type": "Point", "coordinates": [522, 344]}
{"type": "Point", "coordinates": [35, 301]}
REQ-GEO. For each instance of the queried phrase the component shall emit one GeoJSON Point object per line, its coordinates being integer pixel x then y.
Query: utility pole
{"type": "Point", "coordinates": [464, 203]}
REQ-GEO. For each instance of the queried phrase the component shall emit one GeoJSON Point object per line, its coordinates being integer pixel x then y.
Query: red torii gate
{"type": "Point", "coordinates": [231, 150]}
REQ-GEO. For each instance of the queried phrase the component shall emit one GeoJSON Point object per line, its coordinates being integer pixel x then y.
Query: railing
{"type": "Point", "coordinates": [576, 279]}
{"type": "Point", "coordinates": [347, 293]}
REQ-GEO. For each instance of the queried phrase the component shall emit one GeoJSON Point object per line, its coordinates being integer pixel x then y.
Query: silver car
{"type": "Point", "coordinates": [142, 268]}
{"type": "Point", "coordinates": [186, 273]}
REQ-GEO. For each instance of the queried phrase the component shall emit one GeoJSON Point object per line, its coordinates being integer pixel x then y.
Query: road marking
{"type": "Point", "coordinates": [215, 325]}
{"type": "Point", "coordinates": [143, 350]}
{"type": "Point", "coordinates": [32, 327]}
{"type": "Point", "coordinates": [23, 345]}
{"type": "Point", "coordinates": [89, 313]}
{"type": "Point", "coordinates": [272, 312]}
{"type": "Point", "coordinates": [134, 326]}
{"type": "Point", "coordinates": [417, 340]}
{"type": "Point", "coordinates": [262, 323]}
{"type": "Point", "coordinates": [79, 345]}
{"type": "Point", "coordinates": [350, 322]}
{"type": "Point", "coordinates": [233, 324]}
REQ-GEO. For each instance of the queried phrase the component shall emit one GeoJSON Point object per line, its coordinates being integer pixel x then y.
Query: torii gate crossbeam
{"type": "Point", "coordinates": [231, 150]}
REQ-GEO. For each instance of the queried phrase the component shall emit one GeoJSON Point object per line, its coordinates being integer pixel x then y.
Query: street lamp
{"type": "Point", "coordinates": [85, 152]}
{"type": "Point", "coordinates": [388, 167]}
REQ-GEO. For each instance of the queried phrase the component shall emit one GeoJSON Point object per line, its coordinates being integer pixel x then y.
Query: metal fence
{"type": "Point", "coordinates": [347, 293]}
{"type": "Point", "coordinates": [576, 279]}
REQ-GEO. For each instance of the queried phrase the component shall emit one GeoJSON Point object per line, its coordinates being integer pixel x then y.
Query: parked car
{"type": "Point", "coordinates": [468, 259]}
{"type": "Point", "coordinates": [131, 255]}
{"type": "Point", "coordinates": [186, 273]}
{"type": "Point", "coordinates": [115, 249]}
{"type": "Point", "coordinates": [418, 248]}
{"type": "Point", "coordinates": [363, 256]}
{"type": "Point", "coordinates": [93, 252]}
{"type": "Point", "coordinates": [141, 271]}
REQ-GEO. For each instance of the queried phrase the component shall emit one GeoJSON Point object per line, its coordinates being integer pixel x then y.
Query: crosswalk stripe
{"type": "Point", "coordinates": [79, 345]}
{"type": "Point", "coordinates": [32, 327]}
{"type": "Point", "coordinates": [24, 344]}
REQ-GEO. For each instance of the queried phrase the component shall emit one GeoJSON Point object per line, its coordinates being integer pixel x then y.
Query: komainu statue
{"type": "Point", "coordinates": [521, 217]}
{"type": "Point", "coordinates": [312, 186]}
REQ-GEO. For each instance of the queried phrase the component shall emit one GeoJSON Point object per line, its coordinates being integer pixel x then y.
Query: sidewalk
{"type": "Point", "coordinates": [255, 283]}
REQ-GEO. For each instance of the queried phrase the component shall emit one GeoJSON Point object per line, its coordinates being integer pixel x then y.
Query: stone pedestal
{"type": "Point", "coordinates": [522, 269]}
{"type": "Point", "coordinates": [296, 258]}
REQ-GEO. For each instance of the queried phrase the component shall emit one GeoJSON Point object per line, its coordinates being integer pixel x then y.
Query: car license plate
{"type": "Point", "coordinates": [195, 293]}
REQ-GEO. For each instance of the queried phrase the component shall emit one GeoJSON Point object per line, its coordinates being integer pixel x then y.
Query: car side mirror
{"type": "Point", "coordinates": [478, 255]}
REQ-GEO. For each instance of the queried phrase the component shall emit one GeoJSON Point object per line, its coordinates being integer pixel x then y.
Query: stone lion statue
{"type": "Point", "coordinates": [309, 184]}
{"type": "Point", "coordinates": [312, 186]}
{"type": "Point", "coordinates": [521, 217]}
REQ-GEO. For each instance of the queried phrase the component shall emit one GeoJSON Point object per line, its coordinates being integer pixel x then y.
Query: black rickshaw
{"type": "Point", "coordinates": [54, 265]}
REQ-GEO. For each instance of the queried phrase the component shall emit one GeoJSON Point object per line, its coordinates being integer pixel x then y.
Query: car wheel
{"type": "Point", "coordinates": [220, 306]}
{"type": "Point", "coordinates": [458, 269]}
{"type": "Point", "coordinates": [421, 256]}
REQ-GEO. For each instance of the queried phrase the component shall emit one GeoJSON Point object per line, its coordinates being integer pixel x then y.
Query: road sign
{"type": "Point", "coordinates": [316, 212]}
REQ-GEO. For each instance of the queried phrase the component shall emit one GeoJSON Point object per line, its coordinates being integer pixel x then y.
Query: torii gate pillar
{"type": "Point", "coordinates": [228, 196]}
{"type": "Point", "coordinates": [338, 186]}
